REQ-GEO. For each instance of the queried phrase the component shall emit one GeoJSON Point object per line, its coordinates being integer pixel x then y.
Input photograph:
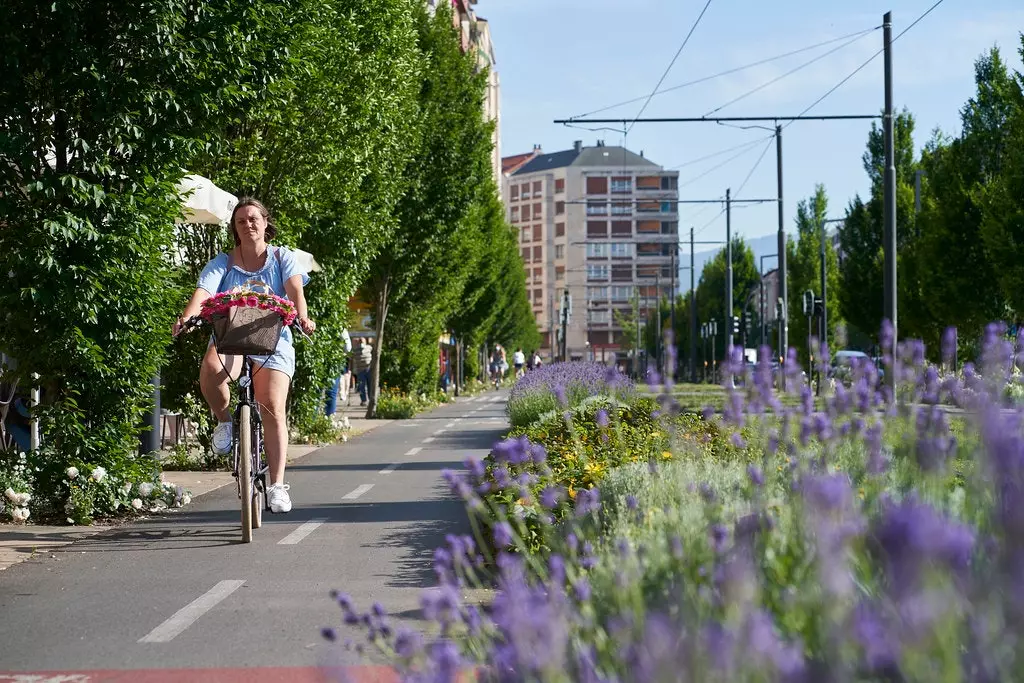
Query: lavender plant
{"type": "Point", "coordinates": [560, 385]}
{"type": "Point", "coordinates": [879, 539]}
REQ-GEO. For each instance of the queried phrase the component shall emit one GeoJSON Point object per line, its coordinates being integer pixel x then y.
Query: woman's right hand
{"type": "Point", "coordinates": [176, 328]}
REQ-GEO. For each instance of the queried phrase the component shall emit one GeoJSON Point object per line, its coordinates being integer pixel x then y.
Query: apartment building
{"type": "Point", "coordinates": [602, 223]}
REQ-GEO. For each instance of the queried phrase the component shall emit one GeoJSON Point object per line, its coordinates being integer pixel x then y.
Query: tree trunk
{"type": "Point", "coordinates": [373, 384]}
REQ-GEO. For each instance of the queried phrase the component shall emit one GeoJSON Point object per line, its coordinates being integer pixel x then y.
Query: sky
{"type": "Point", "coordinates": [563, 58]}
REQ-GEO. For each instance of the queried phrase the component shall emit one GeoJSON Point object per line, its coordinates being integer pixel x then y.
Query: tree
{"type": "Point", "coordinates": [804, 271]}
{"type": "Point", "coordinates": [326, 148]}
{"type": "Point", "coordinates": [861, 292]}
{"type": "Point", "coordinates": [449, 170]}
{"type": "Point", "coordinates": [102, 104]}
{"type": "Point", "coordinates": [711, 290]}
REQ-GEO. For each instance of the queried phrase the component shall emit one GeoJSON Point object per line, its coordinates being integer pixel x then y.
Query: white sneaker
{"type": "Point", "coordinates": [278, 498]}
{"type": "Point", "coordinates": [222, 438]}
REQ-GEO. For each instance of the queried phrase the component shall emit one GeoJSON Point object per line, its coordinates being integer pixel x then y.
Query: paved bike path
{"type": "Point", "coordinates": [183, 592]}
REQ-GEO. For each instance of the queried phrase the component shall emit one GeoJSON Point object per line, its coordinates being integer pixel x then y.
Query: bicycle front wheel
{"type": "Point", "coordinates": [245, 470]}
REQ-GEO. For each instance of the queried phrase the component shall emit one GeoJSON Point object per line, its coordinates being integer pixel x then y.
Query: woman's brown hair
{"type": "Point", "coordinates": [249, 201]}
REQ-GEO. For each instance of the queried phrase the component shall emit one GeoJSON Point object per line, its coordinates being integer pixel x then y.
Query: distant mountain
{"type": "Point", "coordinates": [761, 246]}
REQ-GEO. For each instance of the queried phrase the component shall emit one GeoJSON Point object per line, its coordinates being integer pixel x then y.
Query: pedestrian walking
{"type": "Point", "coordinates": [361, 359]}
{"type": "Point", "coordinates": [340, 384]}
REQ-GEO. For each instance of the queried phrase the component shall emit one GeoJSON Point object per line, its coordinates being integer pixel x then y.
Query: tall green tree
{"type": "Point", "coordinates": [326, 149]}
{"type": "Point", "coordinates": [997, 117]}
{"type": "Point", "coordinates": [959, 277]}
{"type": "Point", "coordinates": [711, 291]}
{"type": "Point", "coordinates": [804, 272]}
{"type": "Point", "coordinates": [102, 104]}
{"type": "Point", "coordinates": [861, 293]}
{"type": "Point", "coordinates": [420, 272]}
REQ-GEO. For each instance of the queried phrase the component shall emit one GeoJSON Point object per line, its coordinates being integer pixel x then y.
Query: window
{"type": "Point", "coordinates": [526, 254]}
{"type": "Point", "coordinates": [525, 232]}
{"type": "Point", "coordinates": [538, 188]}
{"type": "Point", "coordinates": [537, 233]}
{"type": "Point", "coordinates": [621, 293]}
{"type": "Point", "coordinates": [646, 271]}
{"type": "Point", "coordinates": [537, 275]}
{"type": "Point", "coordinates": [597, 271]}
{"type": "Point", "coordinates": [559, 229]}
{"type": "Point", "coordinates": [597, 185]}
{"type": "Point", "coordinates": [597, 209]}
{"type": "Point", "coordinates": [515, 214]}
{"type": "Point", "coordinates": [622, 272]}
{"type": "Point", "coordinates": [525, 215]}
{"type": "Point", "coordinates": [621, 209]}
{"type": "Point", "coordinates": [597, 229]}
{"type": "Point", "coordinates": [538, 255]}
{"type": "Point", "coordinates": [524, 191]}
{"type": "Point", "coordinates": [598, 338]}
{"type": "Point", "coordinates": [537, 209]}
{"type": "Point", "coordinates": [559, 185]}
{"type": "Point", "coordinates": [648, 182]}
{"type": "Point", "coordinates": [599, 250]}
{"type": "Point", "coordinates": [648, 226]}
{"type": "Point", "coordinates": [600, 317]}
{"type": "Point", "coordinates": [559, 208]}
{"type": "Point", "coordinates": [668, 207]}
{"type": "Point", "coordinates": [622, 185]}
{"type": "Point", "coordinates": [538, 295]}
{"type": "Point", "coordinates": [670, 227]}
{"type": "Point", "coordinates": [648, 207]}
{"type": "Point", "coordinates": [648, 249]}
{"type": "Point", "coordinates": [669, 183]}
{"type": "Point", "coordinates": [559, 272]}
{"type": "Point", "coordinates": [622, 228]}
{"type": "Point", "coordinates": [597, 293]}
{"type": "Point", "coordinates": [515, 192]}
{"type": "Point", "coordinates": [621, 249]}
{"type": "Point", "coordinates": [559, 251]}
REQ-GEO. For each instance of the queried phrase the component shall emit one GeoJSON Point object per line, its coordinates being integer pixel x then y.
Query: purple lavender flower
{"type": "Point", "coordinates": [551, 496]}
{"type": "Point", "coordinates": [601, 419]}
{"type": "Point", "coordinates": [631, 502]}
{"type": "Point", "coordinates": [755, 475]}
{"type": "Point", "coordinates": [503, 534]}
{"type": "Point", "coordinates": [587, 501]}
{"type": "Point", "coordinates": [475, 466]}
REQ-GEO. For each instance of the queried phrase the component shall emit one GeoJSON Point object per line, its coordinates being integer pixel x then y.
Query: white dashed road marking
{"type": "Point", "coordinates": [352, 495]}
{"type": "Point", "coordinates": [300, 533]}
{"type": "Point", "coordinates": [428, 439]}
{"type": "Point", "coordinates": [439, 432]}
{"type": "Point", "coordinates": [187, 615]}
{"type": "Point", "coordinates": [414, 450]}
{"type": "Point", "coordinates": [390, 468]}
{"type": "Point", "coordinates": [450, 425]}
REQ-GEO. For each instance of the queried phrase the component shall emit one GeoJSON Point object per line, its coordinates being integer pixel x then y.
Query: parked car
{"type": "Point", "coordinates": [844, 362]}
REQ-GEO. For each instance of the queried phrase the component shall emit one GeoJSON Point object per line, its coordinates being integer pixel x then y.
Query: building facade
{"type": "Point", "coordinates": [600, 223]}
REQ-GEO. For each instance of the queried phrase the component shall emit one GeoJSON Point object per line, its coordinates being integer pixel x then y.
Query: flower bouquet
{"type": "Point", "coordinates": [247, 321]}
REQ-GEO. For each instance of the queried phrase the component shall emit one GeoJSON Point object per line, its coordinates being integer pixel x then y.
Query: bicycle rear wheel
{"type": "Point", "coordinates": [245, 470]}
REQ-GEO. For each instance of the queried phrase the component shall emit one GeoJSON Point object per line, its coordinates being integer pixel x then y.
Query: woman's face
{"type": "Point", "coordinates": [250, 225]}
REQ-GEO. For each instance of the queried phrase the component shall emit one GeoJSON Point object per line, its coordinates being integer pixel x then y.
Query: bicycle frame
{"type": "Point", "coordinates": [247, 397]}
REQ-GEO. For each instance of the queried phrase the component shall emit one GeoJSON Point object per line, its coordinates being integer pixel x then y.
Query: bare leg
{"type": "Point", "coordinates": [213, 381]}
{"type": "Point", "coordinates": [271, 389]}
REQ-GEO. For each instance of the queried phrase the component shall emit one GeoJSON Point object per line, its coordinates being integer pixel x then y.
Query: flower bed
{"type": "Point", "coordinates": [866, 542]}
{"type": "Point", "coordinates": [560, 385]}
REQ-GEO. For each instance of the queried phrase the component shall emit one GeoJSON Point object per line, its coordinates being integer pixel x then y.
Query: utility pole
{"type": "Point", "coordinates": [657, 321]}
{"type": "Point", "coordinates": [783, 288]}
{"type": "Point", "coordinates": [728, 270]}
{"type": "Point", "coordinates": [823, 340]}
{"type": "Point", "coordinates": [566, 303]}
{"type": "Point", "coordinates": [889, 197]}
{"type": "Point", "coordinates": [693, 315]}
{"type": "Point", "coordinates": [672, 298]}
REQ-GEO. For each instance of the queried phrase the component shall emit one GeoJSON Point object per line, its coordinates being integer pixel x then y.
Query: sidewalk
{"type": "Point", "coordinates": [22, 542]}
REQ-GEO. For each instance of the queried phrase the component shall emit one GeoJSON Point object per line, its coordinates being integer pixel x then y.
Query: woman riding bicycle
{"type": "Point", "coordinates": [276, 267]}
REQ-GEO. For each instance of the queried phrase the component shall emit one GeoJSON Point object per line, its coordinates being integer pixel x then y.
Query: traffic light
{"type": "Point", "coordinates": [735, 325]}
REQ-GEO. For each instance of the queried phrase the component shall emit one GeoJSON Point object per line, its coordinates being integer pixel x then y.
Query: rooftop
{"type": "Point", "coordinates": [580, 156]}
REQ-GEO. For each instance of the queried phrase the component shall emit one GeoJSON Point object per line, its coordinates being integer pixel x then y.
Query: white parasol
{"type": "Point", "coordinates": [204, 202]}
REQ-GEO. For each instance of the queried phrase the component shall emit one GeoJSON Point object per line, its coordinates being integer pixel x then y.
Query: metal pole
{"type": "Point", "coordinates": [149, 441]}
{"type": "Point", "coordinates": [636, 355]}
{"type": "Point", "coordinates": [672, 301]}
{"type": "Point", "coordinates": [33, 424]}
{"type": "Point", "coordinates": [889, 213]}
{"type": "Point", "coordinates": [657, 321]}
{"type": "Point", "coordinates": [761, 320]}
{"type": "Point", "coordinates": [728, 270]}
{"type": "Point", "coordinates": [823, 340]}
{"type": "Point", "coordinates": [693, 315]}
{"type": "Point", "coordinates": [783, 288]}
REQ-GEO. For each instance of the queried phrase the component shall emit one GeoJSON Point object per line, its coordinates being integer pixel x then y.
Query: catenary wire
{"type": "Point", "coordinates": [792, 71]}
{"type": "Point", "coordinates": [729, 72]}
{"type": "Point", "coordinates": [670, 65]}
{"type": "Point", "coordinates": [868, 61]}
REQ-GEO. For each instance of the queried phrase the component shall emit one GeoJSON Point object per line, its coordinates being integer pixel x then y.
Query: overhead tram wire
{"type": "Point", "coordinates": [745, 145]}
{"type": "Point", "coordinates": [728, 72]}
{"type": "Point", "coordinates": [861, 67]}
{"type": "Point", "coordinates": [792, 71]}
{"type": "Point", "coordinates": [670, 65]}
{"type": "Point", "coordinates": [747, 149]}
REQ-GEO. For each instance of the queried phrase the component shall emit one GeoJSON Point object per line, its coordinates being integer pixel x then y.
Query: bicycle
{"type": "Point", "coordinates": [249, 466]}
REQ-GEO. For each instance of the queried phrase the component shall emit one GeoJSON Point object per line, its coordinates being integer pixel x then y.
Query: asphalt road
{"type": "Point", "coordinates": [147, 601]}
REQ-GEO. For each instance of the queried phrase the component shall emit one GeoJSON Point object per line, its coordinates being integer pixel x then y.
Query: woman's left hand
{"type": "Point", "coordinates": [307, 325]}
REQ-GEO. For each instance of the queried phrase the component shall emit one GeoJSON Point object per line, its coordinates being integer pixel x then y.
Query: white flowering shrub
{"type": "Point", "coordinates": [92, 492]}
{"type": "Point", "coordinates": [16, 482]}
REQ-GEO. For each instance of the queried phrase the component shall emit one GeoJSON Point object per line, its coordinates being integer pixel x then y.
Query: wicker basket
{"type": "Point", "coordinates": [249, 331]}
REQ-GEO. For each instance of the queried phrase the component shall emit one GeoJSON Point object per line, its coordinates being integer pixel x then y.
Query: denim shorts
{"type": "Point", "coordinates": [283, 358]}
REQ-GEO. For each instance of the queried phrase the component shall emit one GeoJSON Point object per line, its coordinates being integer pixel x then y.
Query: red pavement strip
{"type": "Point", "coordinates": [352, 674]}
